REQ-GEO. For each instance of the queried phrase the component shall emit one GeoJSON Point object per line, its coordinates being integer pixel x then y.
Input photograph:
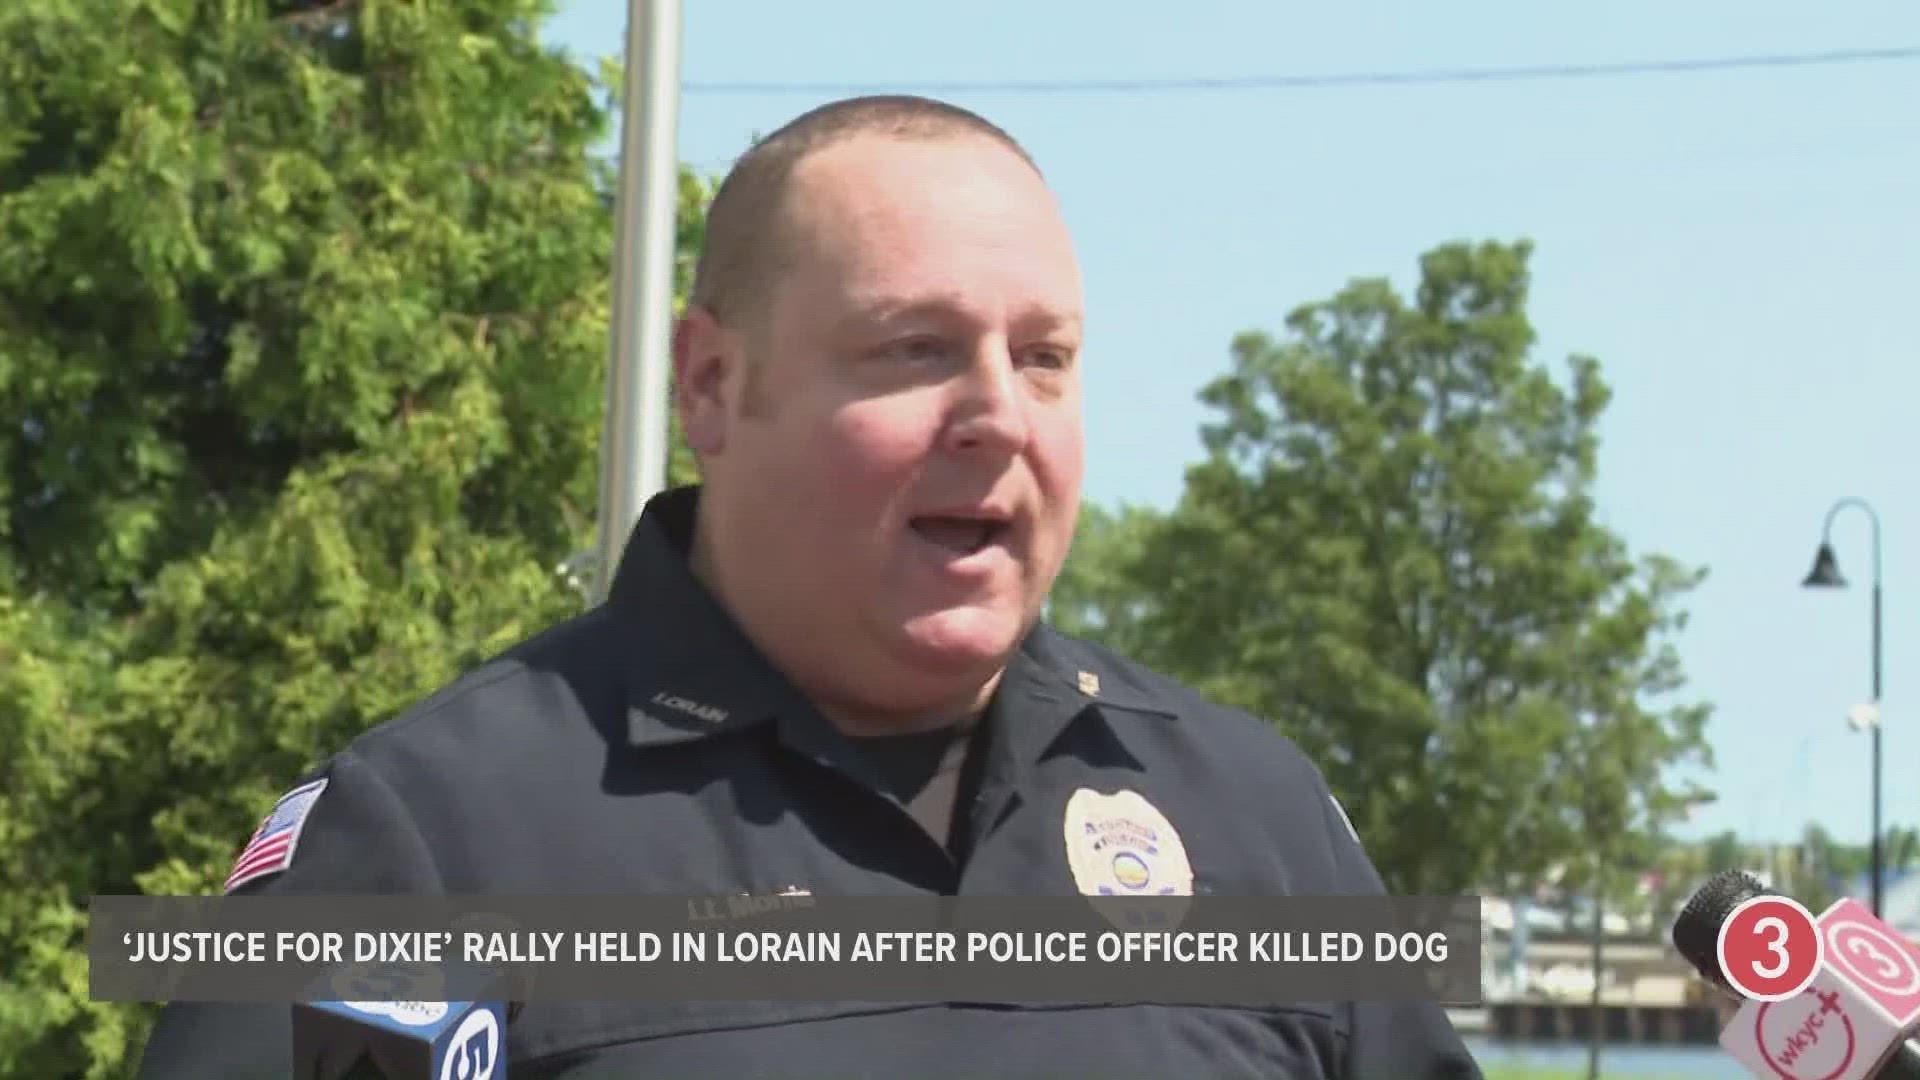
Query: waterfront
{"type": "Point", "coordinates": [1568, 1061]}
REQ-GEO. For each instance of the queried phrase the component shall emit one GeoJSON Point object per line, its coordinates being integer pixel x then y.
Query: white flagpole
{"type": "Point", "coordinates": [634, 441]}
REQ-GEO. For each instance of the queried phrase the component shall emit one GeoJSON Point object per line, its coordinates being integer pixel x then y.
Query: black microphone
{"type": "Point", "coordinates": [1845, 1023]}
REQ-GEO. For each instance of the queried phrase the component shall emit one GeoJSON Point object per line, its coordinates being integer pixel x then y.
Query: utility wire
{"type": "Point", "coordinates": [1298, 82]}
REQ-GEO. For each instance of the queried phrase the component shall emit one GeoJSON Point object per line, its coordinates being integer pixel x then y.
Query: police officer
{"type": "Point", "coordinates": [823, 671]}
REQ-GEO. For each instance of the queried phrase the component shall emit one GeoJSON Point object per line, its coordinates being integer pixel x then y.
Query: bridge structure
{"type": "Point", "coordinates": [1544, 992]}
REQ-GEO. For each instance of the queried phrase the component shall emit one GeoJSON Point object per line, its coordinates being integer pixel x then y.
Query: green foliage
{"type": "Point", "coordinates": [1817, 870]}
{"type": "Point", "coordinates": [303, 332]}
{"type": "Point", "coordinates": [1392, 551]}
{"type": "Point", "coordinates": [1724, 851]}
{"type": "Point", "coordinates": [1094, 596]}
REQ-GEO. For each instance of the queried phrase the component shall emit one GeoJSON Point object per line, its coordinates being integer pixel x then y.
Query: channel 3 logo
{"type": "Point", "coordinates": [474, 1049]}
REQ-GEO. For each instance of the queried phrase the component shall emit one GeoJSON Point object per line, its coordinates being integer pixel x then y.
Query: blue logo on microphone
{"type": "Point", "coordinates": [474, 1050]}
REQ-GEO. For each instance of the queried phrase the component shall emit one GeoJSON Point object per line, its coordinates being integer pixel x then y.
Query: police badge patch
{"type": "Point", "coordinates": [1122, 845]}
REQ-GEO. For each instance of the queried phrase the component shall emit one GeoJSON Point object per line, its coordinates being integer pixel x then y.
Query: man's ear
{"type": "Point", "coordinates": [705, 358]}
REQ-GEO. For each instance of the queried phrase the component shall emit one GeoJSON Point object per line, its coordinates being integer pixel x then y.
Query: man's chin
{"type": "Point", "coordinates": [963, 638]}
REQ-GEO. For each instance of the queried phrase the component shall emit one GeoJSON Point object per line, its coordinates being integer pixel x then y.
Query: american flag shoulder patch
{"type": "Point", "coordinates": [270, 849]}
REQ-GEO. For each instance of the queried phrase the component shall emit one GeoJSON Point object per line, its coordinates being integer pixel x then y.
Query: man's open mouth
{"type": "Point", "coordinates": [963, 535]}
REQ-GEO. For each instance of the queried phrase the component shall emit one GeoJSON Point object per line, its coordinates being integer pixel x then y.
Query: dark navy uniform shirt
{"type": "Point", "coordinates": [647, 747]}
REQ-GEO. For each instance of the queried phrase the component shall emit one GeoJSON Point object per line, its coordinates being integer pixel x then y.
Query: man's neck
{"type": "Point", "coordinates": [866, 722]}
{"type": "Point", "coordinates": [850, 718]}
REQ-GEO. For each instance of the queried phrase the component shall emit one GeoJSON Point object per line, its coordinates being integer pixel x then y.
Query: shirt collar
{"type": "Point", "coordinates": [1053, 683]}
{"type": "Point", "coordinates": [695, 674]}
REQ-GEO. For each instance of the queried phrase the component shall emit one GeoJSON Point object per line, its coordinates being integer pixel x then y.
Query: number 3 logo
{"type": "Point", "coordinates": [1867, 949]}
{"type": "Point", "coordinates": [1776, 944]}
{"type": "Point", "coordinates": [1875, 960]}
{"type": "Point", "coordinates": [1770, 948]}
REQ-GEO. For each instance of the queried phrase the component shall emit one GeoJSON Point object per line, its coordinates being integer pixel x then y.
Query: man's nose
{"type": "Point", "coordinates": [990, 406]}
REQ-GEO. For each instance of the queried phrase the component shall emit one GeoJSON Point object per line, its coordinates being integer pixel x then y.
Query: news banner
{"type": "Point", "coordinates": [1174, 950]}
{"type": "Point", "coordinates": [429, 987]}
{"type": "Point", "coordinates": [924, 947]}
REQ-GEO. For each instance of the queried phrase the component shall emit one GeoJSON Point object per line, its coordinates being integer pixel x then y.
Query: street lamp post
{"type": "Point", "coordinates": [1826, 575]}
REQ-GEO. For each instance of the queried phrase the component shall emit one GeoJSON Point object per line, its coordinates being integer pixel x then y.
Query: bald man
{"type": "Point", "coordinates": [823, 670]}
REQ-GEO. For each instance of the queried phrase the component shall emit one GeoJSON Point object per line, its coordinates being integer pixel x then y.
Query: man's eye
{"type": "Point", "coordinates": [1049, 356]}
{"type": "Point", "coordinates": [917, 349]}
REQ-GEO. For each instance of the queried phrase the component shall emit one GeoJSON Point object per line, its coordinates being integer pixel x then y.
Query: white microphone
{"type": "Point", "coordinates": [1831, 998]}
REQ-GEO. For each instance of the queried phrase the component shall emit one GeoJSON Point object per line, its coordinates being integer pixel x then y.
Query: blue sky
{"type": "Point", "coordinates": [1740, 250]}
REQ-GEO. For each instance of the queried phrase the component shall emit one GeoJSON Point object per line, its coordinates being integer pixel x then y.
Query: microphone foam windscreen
{"type": "Point", "coordinates": [1696, 933]}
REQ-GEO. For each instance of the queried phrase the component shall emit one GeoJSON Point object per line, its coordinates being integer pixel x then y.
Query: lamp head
{"type": "Point", "coordinates": [1826, 571]}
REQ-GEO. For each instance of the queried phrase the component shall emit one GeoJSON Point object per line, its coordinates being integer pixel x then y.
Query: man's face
{"type": "Point", "coordinates": [890, 512]}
